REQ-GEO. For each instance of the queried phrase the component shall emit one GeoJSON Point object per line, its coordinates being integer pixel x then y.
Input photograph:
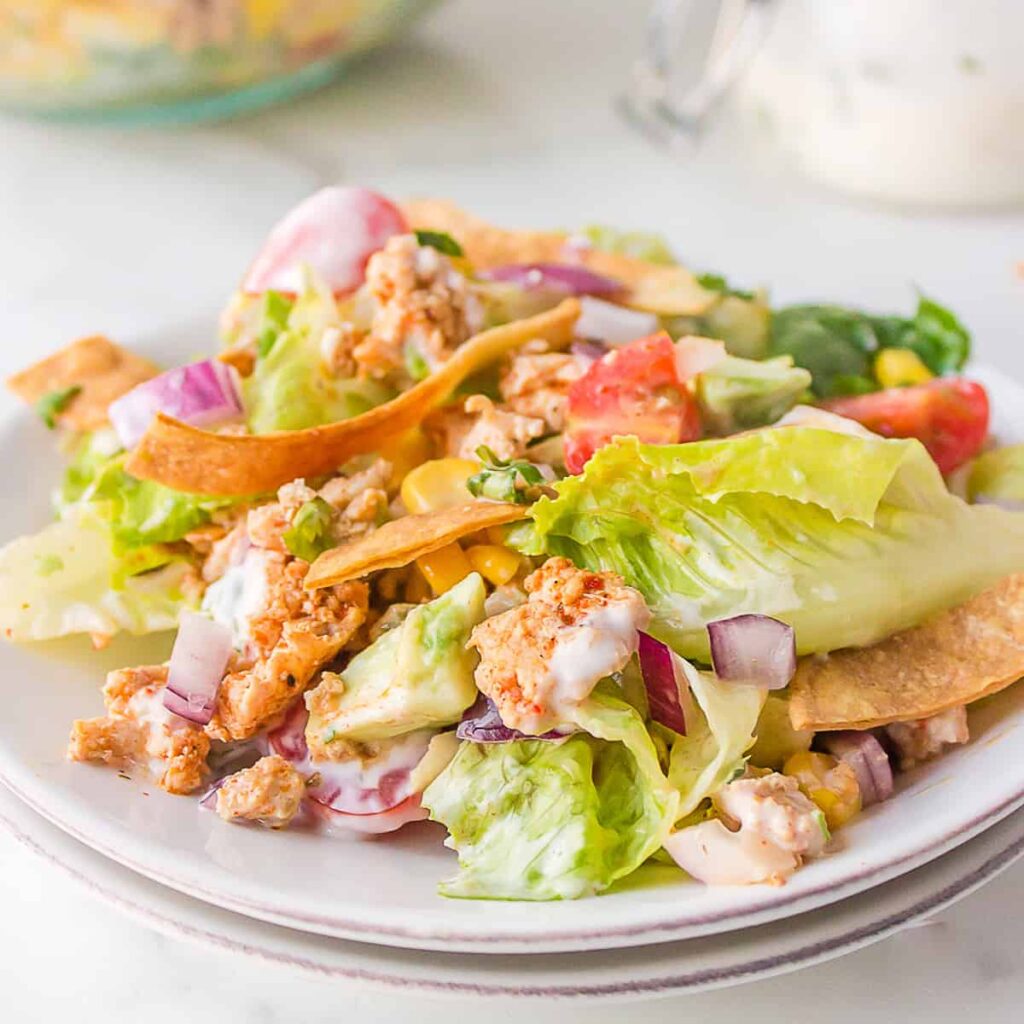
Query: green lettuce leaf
{"type": "Point", "coordinates": [848, 539]}
{"type": "Point", "coordinates": [290, 388]}
{"type": "Point", "coordinates": [537, 820]}
{"type": "Point", "coordinates": [998, 476]}
{"type": "Point", "coordinates": [739, 394]}
{"type": "Point", "coordinates": [712, 751]}
{"type": "Point", "coordinates": [87, 456]}
{"type": "Point", "coordinates": [143, 512]}
{"type": "Point", "coordinates": [641, 245]}
{"type": "Point", "coordinates": [310, 534]}
{"type": "Point", "coordinates": [59, 581]}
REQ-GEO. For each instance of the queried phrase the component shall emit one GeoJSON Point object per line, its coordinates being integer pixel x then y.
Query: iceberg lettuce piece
{"type": "Point", "coordinates": [738, 394]}
{"type": "Point", "coordinates": [640, 245]}
{"type": "Point", "coordinates": [712, 751]}
{"type": "Point", "coordinates": [848, 539]}
{"type": "Point", "coordinates": [88, 454]}
{"type": "Point", "coordinates": [59, 581]}
{"type": "Point", "coordinates": [543, 820]}
{"type": "Point", "coordinates": [998, 477]}
{"type": "Point", "coordinates": [290, 388]}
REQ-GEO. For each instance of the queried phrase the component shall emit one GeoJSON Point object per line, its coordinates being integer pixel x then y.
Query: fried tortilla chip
{"type": "Point", "coordinates": [200, 462]}
{"type": "Point", "coordinates": [960, 656]}
{"type": "Point", "coordinates": [652, 287]}
{"type": "Point", "coordinates": [404, 540]}
{"type": "Point", "coordinates": [102, 370]}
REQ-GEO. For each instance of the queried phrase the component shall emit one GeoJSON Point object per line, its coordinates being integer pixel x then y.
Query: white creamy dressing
{"type": "Point", "coordinates": [238, 596]}
{"type": "Point", "coordinates": [147, 708]}
{"type": "Point", "coordinates": [600, 644]}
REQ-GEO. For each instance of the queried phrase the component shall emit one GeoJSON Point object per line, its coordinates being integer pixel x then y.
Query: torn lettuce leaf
{"type": "Point", "coordinates": [640, 245]}
{"type": "Point", "coordinates": [542, 820]}
{"type": "Point", "coordinates": [290, 388]}
{"type": "Point", "coordinates": [848, 539]}
{"type": "Point", "coordinates": [66, 579]}
{"type": "Point", "coordinates": [997, 477]}
{"type": "Point", "coordinates": [739, 394]}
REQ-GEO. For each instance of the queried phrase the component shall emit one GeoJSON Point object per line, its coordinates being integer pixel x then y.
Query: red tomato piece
{"type": "Point", "coordinates": [948, 416]}
{"type": "Point", "coordinates": [633, 390]}
{"type": "Point", "coordinates": [335, 231]}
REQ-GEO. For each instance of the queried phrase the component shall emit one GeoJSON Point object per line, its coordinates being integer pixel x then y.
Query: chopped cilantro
{"type": "Point", "coordinates": [54, 402]}
{"type": "Point", "coordinates": [441, 241]}
{"type": "Point", "coordinates": [517, 480]}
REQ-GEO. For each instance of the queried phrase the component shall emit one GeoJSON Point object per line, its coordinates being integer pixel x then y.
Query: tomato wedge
{"type": "Point", "coordinates": [949, 416]}
{"type": "Point", "coordinates": [335, 231]}
{"type": "Point", "coordinates": [633, 390]}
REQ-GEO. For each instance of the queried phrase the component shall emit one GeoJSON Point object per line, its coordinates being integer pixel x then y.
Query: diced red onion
{"type": "Point", "coordinates": [374, 824]}
{"type": "Point", "coordinates": [664, 683]}
{"type": "Point", "coordinates": [334, 231]}
{"type": "Point", "coordinates": [565, 277]}
{"type": "Point", "coordinates": [198, 661]}
{"type": "Point", "coordinates": [482, 724]}
{"type": "Point", "coordinates": [589, 349]}
{"type": "Point", "coordinates": [753, 649]}
{"type": "Point", "coordinates": [867, 757]}
{"type": "Point", "coordinates": [616, 325]}
{"type": "Point", "coordinates": [695, 355]}
{"type": "Point", "coordinates": [200, 394]}
{"type": "Point", "coordinates": [289, 738]}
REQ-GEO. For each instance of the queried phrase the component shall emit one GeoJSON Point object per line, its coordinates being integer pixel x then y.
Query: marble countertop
{"type": "Point", "coordinates": [507, 108]}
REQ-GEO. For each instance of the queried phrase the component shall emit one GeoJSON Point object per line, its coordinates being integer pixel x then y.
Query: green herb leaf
{"type": "Point", "coordinates": [718, 283]}
{"type": "Point", "coordinates": [310, 534]}
{"type": "Point", "coordinates": [516, 481]}
{"type": "Point", "coordinates": [441, 241]}
{"type": "Point", "coordinates": [54, 402]}
{"type": "Point", "coordinates": [415, 365]}
{"type": "Point", "coordinates": [938, 338]}
{"type": "Point", "coordinates": [276, 309]}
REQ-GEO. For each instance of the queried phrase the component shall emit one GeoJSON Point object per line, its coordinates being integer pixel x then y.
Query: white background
{"type": "Point", "coordinates": [508, 108]}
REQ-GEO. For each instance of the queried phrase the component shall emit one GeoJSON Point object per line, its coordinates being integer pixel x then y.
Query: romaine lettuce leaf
{"type": "Point", "coordinates": [290, 388]}
{"type": "Point", "coordinates": [87, 455]}
{"type": "Point", "coordinates": [848, 539]}
{"type": "Point", "coordinates": [59, 581]}
{"type": "Point", "coordinates": [541, 820]}
{"type": "Point", "coordinates": [641, 245]}
{"type": "Point", "coordinates": [998, 476]}
{"type": "Point", "coordinates": [738, 394]}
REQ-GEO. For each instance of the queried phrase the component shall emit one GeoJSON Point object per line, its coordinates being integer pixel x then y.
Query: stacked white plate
{"type": "Point", "coordinates": [369, 909]}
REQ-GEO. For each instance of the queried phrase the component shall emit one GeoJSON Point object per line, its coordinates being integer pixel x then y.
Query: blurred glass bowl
{"type": "Point", "coordinates": [180, 60]}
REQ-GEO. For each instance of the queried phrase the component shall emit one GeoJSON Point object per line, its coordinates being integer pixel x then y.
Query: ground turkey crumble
{"type": "Point", "coordinates": [460, 432]}
{"type": "Point", "coordinates": [138, 730]}
{"type": "Point", "coordinates": [423, 309]}
{"type": "Point", "coordinates": [925, 738]}
{"type": "Point", "coordinates": [537, 385]}
{"type": "Point", "coordinates": [521, 668]}
{"type": "Point", "coordinates": [270, 792]}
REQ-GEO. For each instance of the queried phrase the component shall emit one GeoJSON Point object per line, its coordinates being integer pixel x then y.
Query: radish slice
{"type": "Point", "coordinates": [375, 824]}
{"type": "Point", "coordinates": [563, 277]}
{"type": "Point", "coordinates": [199, 394]}
{"type": "Point", "coordinates": [334, 231]}
{"type": "Point", "coordinates": [695, 355]}
{"type": "Point", "coordinates": [664, 683]}
{"type": "Point", "coordinates": [198, 661]}
{"type": "Point", "coordinates": [867, 757]}
{"type": "Point", "coordinates": [352, 787]}
{"type": "Point", "coordinates": [615, 325]}
{"type": "Point", "coordinates": [754, 649]}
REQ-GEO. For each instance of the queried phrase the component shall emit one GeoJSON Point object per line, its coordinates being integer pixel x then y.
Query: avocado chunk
{"type": "Point", "coordinates": [418, 675]}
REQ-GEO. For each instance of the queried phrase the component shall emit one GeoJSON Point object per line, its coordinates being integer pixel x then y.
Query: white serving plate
{"type": "Point", "coordinates": [665, 969]}
{"type": "Point", "coordinates": [383, 890]}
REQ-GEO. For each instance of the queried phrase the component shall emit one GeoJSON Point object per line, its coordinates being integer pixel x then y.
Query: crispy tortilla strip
{"type": "Point", "coordinates": [404, 540]}
{"type": "Point", "coordinates": [962, 655]}
{"type": "Point", "coordinates": [104, 371]}
{"type": "Point", "coordinates": [667, 291]}
{"type": "Point", "coordinates": [200, 462]}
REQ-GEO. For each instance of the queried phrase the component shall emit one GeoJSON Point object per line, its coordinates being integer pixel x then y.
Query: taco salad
{"type": "Point", "coordinates": [539, 535]}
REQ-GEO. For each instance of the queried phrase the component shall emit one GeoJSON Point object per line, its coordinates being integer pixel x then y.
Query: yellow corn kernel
{"type": "Point", "coordinates": [445, 567]}
{"type": "Point", "coordinates": [899, 367]}
{"type": "Point", "coordinates": [830, 784]}
{"type": "Point", "coordinates": [496, 563]}
{"type": "Point", "coordinates": [437, 484]}
{"type": "Point", "coordinates": [405, 452]}
{"type": "Point", "coordinates": [263, 16]}
{"type": "Point", "coordinates": [496, 535]}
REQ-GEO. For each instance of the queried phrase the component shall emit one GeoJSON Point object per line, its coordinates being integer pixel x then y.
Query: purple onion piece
{"type": "Point", "coordinates": [482, 724]}
{"type": "Point", "coordinates": [566, 277]}
{"type": "Point", "coordinates": [588, 348]}
{"type": "Point", "coordinates": [753, 649]}
{"type": "Point", "coordinates": [662, 682]}
{"type": "Point", "coordinates": [198, 661]}
{"type": "Point", "coordinates": [866, 756]}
